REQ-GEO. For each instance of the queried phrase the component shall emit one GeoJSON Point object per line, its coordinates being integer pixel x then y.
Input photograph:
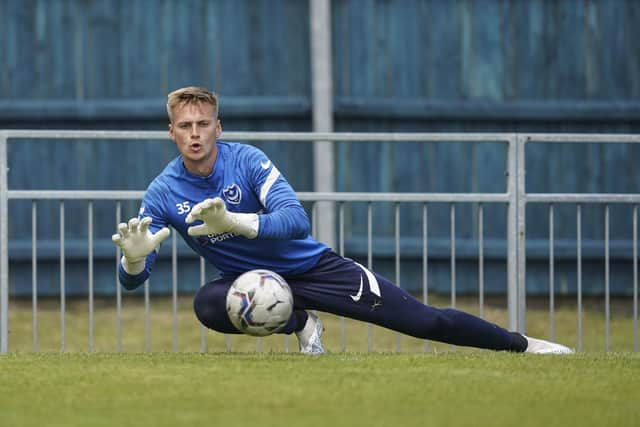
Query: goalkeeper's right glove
{"type": "Point", "coordinates": [217, 219]}
{"type": "Point", "coordinates": [136, 242]}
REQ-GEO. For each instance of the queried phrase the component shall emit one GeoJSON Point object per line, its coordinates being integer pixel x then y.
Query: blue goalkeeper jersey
{"type": "Point", "coordinates": [248, 182]}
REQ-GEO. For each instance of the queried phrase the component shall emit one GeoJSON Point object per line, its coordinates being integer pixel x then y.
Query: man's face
{"type": "Point", "coordinates": [195, 129]}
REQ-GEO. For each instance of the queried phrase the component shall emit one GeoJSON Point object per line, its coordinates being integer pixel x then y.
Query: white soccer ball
{"type": "Point", "coordinates": [259, 302]}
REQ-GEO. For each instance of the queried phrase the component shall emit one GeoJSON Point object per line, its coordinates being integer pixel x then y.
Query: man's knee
{"type": "Point", "coordinates": [439, 324]}
{"type": "Point", "coordinates": [209, 307]}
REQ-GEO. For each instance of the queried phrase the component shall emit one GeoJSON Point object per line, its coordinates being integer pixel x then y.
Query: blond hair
{"type": "Point", "coordinates": [191, 95]}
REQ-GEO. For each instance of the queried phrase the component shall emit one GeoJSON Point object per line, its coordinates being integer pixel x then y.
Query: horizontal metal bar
{"type": "Point", "coordinates": [75, 194]}
{"type": "Point", "coordinates": [304, 196]}
{"type": "Point", "coordinates": [268, 136]}
{"type": "Point", "coordinates": [83, 134]}
{"type": "Point", "coordinates": [332, 136]}
{"type": "Point", "coordinates": [350, 197]}
{"type": "Point", "coordinates": [405, 197]}
{"type": "Point", "coordinates": [583, 138]}
{"type": "Point", "coordinates": [582, 198]}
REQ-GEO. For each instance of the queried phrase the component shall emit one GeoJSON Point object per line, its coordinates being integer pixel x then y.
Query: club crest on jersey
{"type": "Point", "coordinates": [233, 194]}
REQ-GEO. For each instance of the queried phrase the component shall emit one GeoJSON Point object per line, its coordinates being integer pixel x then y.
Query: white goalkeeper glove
{"type": "Point", "coordinates": [136, 242]}
{"type": "Point", "coordinates": [217, 219]}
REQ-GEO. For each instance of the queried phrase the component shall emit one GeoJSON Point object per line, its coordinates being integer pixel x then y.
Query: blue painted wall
{"type": "Point", "coordinates": [399, 65]}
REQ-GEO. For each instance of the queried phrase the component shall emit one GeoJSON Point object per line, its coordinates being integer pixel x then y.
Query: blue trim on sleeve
{"type": "Point", "coordinates": [130, 282]}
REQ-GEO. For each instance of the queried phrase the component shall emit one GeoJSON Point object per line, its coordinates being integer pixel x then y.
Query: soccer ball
{"type": "Point", "coordinates": [259, 302]}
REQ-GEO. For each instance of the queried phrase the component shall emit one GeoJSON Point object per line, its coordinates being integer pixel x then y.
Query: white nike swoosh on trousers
{"type": "Point", "coordinates": [265, 165]}
{"type": "Point", "coordinates": [373, 282]}
{"type": "Point", "coordinates": [357, 296]}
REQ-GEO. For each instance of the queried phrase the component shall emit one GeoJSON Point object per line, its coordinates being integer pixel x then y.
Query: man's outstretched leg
{"type": "Point", "coordinates": [343, 287]}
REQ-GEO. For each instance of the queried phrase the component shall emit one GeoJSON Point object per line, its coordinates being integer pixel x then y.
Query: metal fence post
{"type": "Point", "coordinates": [322, 115]}
{"type": "Point", "coordinates": [4, 247]}
{"type": "Point", "coordinates": [512, 234]}
{"type": "Point", "coordinates": [521, 192]}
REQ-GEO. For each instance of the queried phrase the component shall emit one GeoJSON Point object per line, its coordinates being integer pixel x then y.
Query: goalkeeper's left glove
{"type": "Point", "coordinates": [216, 219]}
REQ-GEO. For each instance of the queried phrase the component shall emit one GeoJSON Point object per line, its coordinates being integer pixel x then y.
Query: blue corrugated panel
{"type": "Point", "coordinates": [399, 65]}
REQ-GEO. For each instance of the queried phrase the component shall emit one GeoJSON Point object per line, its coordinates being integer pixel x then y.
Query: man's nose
{"type": "Point", "coordinates": [194, 131]}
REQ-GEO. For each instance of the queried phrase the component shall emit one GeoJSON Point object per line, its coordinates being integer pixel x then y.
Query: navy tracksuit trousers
{"type": "Point", "coordinates": [343, 287]}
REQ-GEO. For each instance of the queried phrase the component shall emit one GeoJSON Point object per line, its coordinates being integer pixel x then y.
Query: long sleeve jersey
{"type": "Point", "coordinates": [248, 182]}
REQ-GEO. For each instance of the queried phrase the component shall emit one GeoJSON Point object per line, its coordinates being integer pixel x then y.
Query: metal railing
{"type": "Point", "coordinates": [515, 199]}
{"type": "Point", "coordinates": [580, 200]}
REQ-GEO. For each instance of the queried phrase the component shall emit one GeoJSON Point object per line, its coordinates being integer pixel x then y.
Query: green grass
{"type": "Point", "coordinates": [271, 389]}
{"type": "Point", "coordinates": [402, 382]}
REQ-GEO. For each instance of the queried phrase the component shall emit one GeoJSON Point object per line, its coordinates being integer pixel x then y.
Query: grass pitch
{"type": "Point", "coordinates": [351, 389]}
{"type": "Point", "coordinates": [401, 383]}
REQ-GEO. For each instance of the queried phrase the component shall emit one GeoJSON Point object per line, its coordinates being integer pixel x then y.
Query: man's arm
{"type": "Point", "coordinates": [283, 217]}
{"type": "Point", "coordinates": [288, 222]}
{"type": "Point", "coordinates": [285, 223]}
{"type": "Point", "coordinates": [138, 247]}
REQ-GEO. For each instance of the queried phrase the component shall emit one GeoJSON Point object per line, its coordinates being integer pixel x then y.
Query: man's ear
{"type": "Point", "coordinates": [171, 135]}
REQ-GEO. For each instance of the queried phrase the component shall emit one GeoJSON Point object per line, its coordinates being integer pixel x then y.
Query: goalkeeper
{"type": "Point", "coordinates": [233, 207]}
